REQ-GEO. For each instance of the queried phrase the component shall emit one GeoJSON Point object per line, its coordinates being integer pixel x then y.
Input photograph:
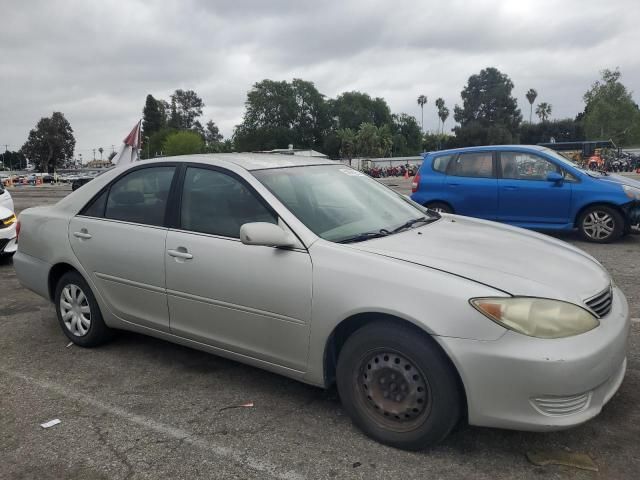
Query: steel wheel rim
{"type": "Point", "coordinates": [75, 310]}
{"type": "Point", "coordinates": [598, 225]}
{"type": "Point", "coordinates": [393, 390]}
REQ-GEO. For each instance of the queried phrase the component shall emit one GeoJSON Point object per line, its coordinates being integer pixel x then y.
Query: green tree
{"type": "Point", "coordinates": [347, 139]}
{"type": "Point", "coordinates": [489, 113]}
{"type": "Point", "coordinates": [374, 142]}
{"type": "Point", "coordinates": [352, 109]}
{"type": "Point", "coordinates": [610, 111]}
{"type": "Point", "coordinates": [51, 143]}
{"type": "Point", "coordinates": [100, 150]}
{"type": "Point", "coordinates": [543, 111]}
{"type": "Point", "coordinates": [186, 106]}
{"type": "Point", "coordinates": [153, 118]}
{"type": "Point", "coordinates": [564, 130]}
{"type": "Point", "coordinates": [422, 101]}
{"type": "Point", "coordinates": [279, 113]}
{"type": "Point", "coordinates": [183, 143]}
{"type": "Point", "coordinates": [531, 95]}
{"type": "Point", "coordinates": [439, 106]}
{"type": "Point", "coordinates": [156, 142]}
{"type": "Point", "coordinates": [12, 160]}
{"type": "Point", "coordinates": [406, 135]}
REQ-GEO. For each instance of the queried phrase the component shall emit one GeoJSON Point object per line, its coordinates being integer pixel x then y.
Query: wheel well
{"type": "Point", "coordinates": [56, 272]}
{"type": "Point", "coordinates": [347, 327]}
{"type": "Point", "coordinates": [604, 204]}
{"type": "Point", "coordinates": [440, 201]}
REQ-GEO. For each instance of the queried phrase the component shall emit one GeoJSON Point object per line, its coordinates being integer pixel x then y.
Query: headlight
{"type": "Point", "coordinates": [537, 317]}
{"type": "Point", "coordinates": [631, 192]}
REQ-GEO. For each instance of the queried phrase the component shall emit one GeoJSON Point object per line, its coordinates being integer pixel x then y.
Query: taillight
{"type": "Point", "coordinates": [415, 183]}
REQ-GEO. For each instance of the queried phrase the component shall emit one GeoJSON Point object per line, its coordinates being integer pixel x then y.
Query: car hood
{"type": "Point", "coordinates": [516, 261]}
{"type": "Point", "coordinates": [5, 212]}
{"type": "Point", "coordinates": [619, 180]}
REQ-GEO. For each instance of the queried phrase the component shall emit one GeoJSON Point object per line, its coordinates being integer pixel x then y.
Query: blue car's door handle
{"type": "Point", "coordinates": [510, 188]}
{"type": "Point", "coordinates": [454, 184]}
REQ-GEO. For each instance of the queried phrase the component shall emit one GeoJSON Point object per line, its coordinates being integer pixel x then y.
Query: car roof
{"type": "Point", "coordinates": [250, 161]}
{"type": "Point", "coordinates": [484, 148]}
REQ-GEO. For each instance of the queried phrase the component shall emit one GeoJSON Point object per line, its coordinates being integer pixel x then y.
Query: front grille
{"type": "Point", "coordinates": [600, 304]}
{"type": "Point", "coordinates": [559, 406]}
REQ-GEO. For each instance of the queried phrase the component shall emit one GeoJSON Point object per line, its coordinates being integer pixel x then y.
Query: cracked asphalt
{"type": "Point", "coordinates": [141, 408]}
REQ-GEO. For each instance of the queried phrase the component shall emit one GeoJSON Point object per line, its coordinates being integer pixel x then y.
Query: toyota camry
{"type": "Point", "coordinates": [313, 270]}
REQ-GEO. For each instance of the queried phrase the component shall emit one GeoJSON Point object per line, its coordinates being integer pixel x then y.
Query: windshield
{"type": "Point", "coordinates": [340, 204]}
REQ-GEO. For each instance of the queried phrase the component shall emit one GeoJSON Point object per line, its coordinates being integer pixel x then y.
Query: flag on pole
{"type": "Point", "coordinates": [129, 152]}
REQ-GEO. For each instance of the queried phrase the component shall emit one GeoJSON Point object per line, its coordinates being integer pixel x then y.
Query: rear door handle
{"type": "Point", "coordinates": [83, 234]}
{"type": "Point", "coordinates": [180, 252]}
{"type": "Point", "coordinates": [510, 188]}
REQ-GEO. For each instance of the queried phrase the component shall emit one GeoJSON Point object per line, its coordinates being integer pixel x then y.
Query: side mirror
{"type": "Point", "coordinates": [266, 235]}
{"type": "Point", "coordinates": [555, 177]}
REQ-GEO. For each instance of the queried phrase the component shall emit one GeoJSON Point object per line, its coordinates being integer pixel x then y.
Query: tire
{"type": "Point", "coordinates": [440, 207]}
{"type": "Point", "coordinates": [413, 410]}
{"type": "Point", "coordinates": [78, 312]}
{"type": "Point", "coordinates": [601, 224]}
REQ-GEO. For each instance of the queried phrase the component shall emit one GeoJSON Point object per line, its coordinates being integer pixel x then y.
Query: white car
{"type": "Point", "coordinates": [313, 270]}
{"type": "Point", "coordinates": [5, 198]}
{"type": "Point", "coordinates": [8, 245]}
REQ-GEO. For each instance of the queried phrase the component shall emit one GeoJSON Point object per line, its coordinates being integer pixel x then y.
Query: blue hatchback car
{"type": "Point", "coordinates": [528, 186]}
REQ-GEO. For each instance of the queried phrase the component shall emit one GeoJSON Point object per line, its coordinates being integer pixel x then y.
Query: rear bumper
{"type": "Point", "coordinates": [32, 273]}
{"type": "Point", "coordinates": [525, 383]}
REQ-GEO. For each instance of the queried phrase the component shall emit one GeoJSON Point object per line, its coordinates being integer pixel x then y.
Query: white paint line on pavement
{"type": "Point", "coordinates": [256, 464]}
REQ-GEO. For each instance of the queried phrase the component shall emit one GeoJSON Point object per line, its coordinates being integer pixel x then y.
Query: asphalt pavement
{"type": "Point", "coordinates": [141, 408]}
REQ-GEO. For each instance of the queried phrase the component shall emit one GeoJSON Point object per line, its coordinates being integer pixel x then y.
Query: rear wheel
{"type": "Point", "coordinates": [440, 207]}
{"type": "Point", "coordinates": [397, 386]}
{"type": "Point", "coordinates": [601, 224]}
{"type": "Point", "coordinates": [78, 312]}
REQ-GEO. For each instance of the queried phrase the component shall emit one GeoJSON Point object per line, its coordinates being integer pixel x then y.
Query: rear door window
{"type": "Point", "coordinates": [140, 196]}
{"type": "Point", "coordinates": [472, 164]}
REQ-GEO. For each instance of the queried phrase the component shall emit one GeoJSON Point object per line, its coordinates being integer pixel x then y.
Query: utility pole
{"type": "Point", "coordinates": [4, 156]}
{"type": "Point", "coordinates": [94, 154]}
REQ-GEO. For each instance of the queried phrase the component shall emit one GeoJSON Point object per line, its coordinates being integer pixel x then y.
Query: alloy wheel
{"type": "Point", "coordinates": [75, 310]}
{"type": "Point", "coordinates": [598, 225]}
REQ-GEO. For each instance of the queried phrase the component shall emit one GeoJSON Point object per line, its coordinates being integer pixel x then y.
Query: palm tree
{"type": "Point", "coordinates": [101, 150]}
{"type": "Point", "coordinates": [543, 111]}
{"type": "Point", "coordinates": [422, 101]}
{"type": "Point", "coordinates": [443, 114]}
{"type": "Point", "coordinates": [531, 96]}
{"type": "Point", "coordinates": [439, 105]}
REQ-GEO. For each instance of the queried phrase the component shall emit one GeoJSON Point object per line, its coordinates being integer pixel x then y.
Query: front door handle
{"type": "Point", "coordinates": [82, 234]}
{"type": "Point", "coordinates": [180, 252]}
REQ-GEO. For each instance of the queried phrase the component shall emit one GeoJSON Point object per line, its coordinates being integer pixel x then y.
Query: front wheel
{"type": "Point", "coordinates": [397, 386]}
{"type": "Point", "coordinates": [601, 224]}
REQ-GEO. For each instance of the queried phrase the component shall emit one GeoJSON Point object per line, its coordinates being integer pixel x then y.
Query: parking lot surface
{"type": "Point", "coordinates": [144, 408]}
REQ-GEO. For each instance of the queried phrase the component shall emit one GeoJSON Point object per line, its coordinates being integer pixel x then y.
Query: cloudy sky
{"type": "Point", "coordinates": [96, 61]}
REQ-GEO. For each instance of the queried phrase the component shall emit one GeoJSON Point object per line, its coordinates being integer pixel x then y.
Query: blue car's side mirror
{"type": "Point", "coordinates": [555, 177]}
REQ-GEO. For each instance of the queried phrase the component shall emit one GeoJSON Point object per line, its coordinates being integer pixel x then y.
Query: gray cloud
{"type": "Point", "coordinates": [96, 61]}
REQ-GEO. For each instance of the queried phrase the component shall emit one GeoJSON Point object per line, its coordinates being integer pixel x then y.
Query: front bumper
{"type": "Point", "coordinates": [8, 240]}
{"type": "Point", "coordinates": [526, 383]}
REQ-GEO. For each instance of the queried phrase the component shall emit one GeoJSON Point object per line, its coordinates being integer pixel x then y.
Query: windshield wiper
{"type": "Point", "coordinates": [361, 237]}
{"type": "Point", "coordinates": [413, 221]}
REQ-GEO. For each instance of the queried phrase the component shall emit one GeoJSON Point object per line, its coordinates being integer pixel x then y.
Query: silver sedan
{"type": "Point", "coordinates": [315, 271]}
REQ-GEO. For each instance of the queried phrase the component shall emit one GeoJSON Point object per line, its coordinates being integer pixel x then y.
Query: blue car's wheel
{"type": "Point", "coordinates": [601, 224]}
